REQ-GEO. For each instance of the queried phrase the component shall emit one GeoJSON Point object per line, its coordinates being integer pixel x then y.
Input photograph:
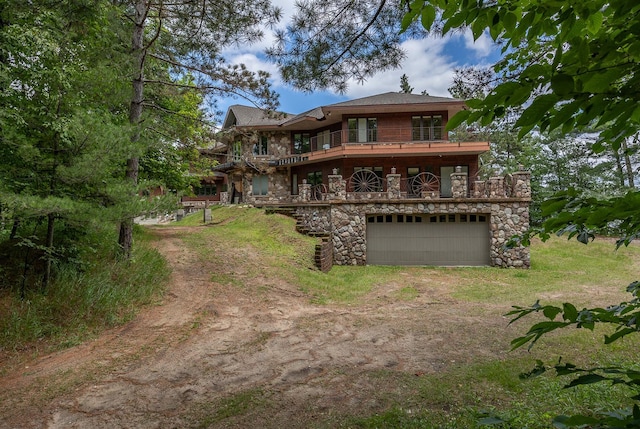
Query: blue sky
{"type": "Point", "coordinates": [429, 64]}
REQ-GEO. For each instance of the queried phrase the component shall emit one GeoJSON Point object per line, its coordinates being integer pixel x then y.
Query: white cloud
{"type": "Point", "coordinates": [483, 47]}
{"type": "Point", "coordinates": [429, 63]}
{"type": "Point", "coordinates": [426, 65]}
{"type": "Point", "coordinates": [255, 63]}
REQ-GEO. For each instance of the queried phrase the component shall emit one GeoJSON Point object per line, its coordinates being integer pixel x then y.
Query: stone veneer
{"type": "Point", "coordinates": [505, 201]}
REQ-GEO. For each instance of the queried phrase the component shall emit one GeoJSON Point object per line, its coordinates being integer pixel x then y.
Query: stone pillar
{"type": "Point", "coordinates": [224, 198]}
{"type": "Point", "coordinates": [521, 184]}
{"type": "Point", "coordinates": [479, 189]}
{"type": "Point", "coordinates": [179, 214]}
{"type": "Point", "coordinates": [305, 191]}
{"type": "Point", "coordinates": [393, 186]}
{"type": "Point", "coordinates": [459, 183]}
{"type": "Point", "coordinates": [337, 187]}
{"type": "Point", "coordinates": [207, 215]}
{"type": "Point", "coordinates": [495, 187]}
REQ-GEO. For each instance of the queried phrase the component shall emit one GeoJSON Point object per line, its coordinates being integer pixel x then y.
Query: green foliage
{"type": "Point", "coordinates": [624, 317]}
{"type": "Point", "coordinates": [328, 42]}
{"type": "Point", "coordinates": [404, 85]}
{"type": "Point", "coordinates": [83, 300]}
{"type": "Point", "coordinates": [574, 63]}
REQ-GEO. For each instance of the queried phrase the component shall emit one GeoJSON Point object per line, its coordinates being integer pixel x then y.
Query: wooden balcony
{"type": "Point", "coordinates": [385, 142]}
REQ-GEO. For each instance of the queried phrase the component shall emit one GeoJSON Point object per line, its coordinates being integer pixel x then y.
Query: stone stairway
{"type": "Point", "coordinates": [324, 251]}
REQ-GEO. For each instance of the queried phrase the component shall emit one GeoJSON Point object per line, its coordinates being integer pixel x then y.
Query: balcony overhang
{"type": "Point", "coordinates": [399, 149]}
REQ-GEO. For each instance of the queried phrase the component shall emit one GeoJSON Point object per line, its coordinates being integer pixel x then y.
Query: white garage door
{"type": "Point", "coordinates": [428, 239]}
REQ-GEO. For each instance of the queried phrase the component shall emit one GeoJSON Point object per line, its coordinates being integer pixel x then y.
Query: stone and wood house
{"type": "Point", "coordinates": [381, 178]}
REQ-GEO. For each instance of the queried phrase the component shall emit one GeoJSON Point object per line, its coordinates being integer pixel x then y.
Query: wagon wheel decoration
{"type": "Point", "coordinates": [424, 182]}
{"type": "Point", "coordinates": [319, 192]}
{"type": "Point", "coordinates": [365, 181]}
{"type": "Point", "coordinates": [508, 185]}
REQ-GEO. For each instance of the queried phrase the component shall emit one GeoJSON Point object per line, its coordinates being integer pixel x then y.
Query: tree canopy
{"type": "Point", "coordinates": [572, 64]}
{"type": "Point", "coordinates": [97, 94]}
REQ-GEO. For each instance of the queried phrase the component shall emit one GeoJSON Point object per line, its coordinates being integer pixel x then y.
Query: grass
{"type": "Point", "coordinates": [234, 405]}
{"type": "Point", "coordinates": [460, 396]}
{"type": "Point", "coordinates": [81, 303]}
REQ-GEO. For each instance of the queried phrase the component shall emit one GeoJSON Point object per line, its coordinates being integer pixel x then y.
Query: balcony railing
{"type": "Point", "coordinates": [384, 135]}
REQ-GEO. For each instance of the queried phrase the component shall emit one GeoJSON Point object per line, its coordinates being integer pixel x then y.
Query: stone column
{"type": "Point", "coordinates": [521, 184]}
{"type": "Point", "coordinates": [207, 212]}
{"type": "Point", "coordinates": [459, 183]}
{"type": "Point", "coordinates": [305, 191]}
{"type": "Point", "coordinates": [495, 187]}
{"type": "Point", "coordinates": [479, 189]}
{"type": "Point", "coordinates": [224, 197]}
{"type": "Point", "coordinates": [337, 187]}
{"type": "Point", "coordinates": [179, 214]}
{"type": "Point", "coordinates": [393, 186]}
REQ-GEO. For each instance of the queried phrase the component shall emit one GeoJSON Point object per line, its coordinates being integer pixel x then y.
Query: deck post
{"type": "Point", "coordinates": [393, 186]}
{"type": "Point", "coordinates": [459, 183]}
{"type": "Point", "coordinates": [337, 187]}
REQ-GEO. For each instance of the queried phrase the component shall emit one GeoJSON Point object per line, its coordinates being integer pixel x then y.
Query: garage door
{"type": "Point", "coordinates": [429, 239]}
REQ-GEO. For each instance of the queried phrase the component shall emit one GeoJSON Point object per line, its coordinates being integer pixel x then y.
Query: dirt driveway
{"type": "Point", "coordinates": [178, 362]}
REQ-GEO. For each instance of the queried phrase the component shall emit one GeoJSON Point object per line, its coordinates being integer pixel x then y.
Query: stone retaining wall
{"type": "Point", "coordinates": [346, 224]}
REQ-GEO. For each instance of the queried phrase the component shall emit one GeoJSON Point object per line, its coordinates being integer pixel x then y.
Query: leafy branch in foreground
{"type": "Point", "coordinates": [626, 319]}
{"type": "Point", "coordinates": [624, 316]}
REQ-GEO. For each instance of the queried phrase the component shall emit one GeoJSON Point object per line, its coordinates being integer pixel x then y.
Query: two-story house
{"type": "Point", "coordinates": [382, 178]}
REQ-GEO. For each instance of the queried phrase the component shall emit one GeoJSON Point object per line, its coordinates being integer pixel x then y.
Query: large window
{"type": "Point", "coordinates": [314, 178]}
{"type": "Point", "coordinates": [205, 190]}
{"type": "Point", "coordinates": [261, 146]}
{"type": "Point", "coordinates": [426, 127]}
{"type": "Point", "coordinates": [301, 143]}
{"type": "Point", "coordinates": [260, 185]}
{"type": "Point", "coordinates": [362, 130]}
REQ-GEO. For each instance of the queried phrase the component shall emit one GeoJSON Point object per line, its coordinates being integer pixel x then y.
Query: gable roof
{"type": "Point", "coordinates": [394, 98]}
{"type": "Point", "coordinates": [247, 116]}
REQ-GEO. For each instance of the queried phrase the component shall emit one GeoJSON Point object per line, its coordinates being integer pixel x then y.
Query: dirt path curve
{"type": "Point", "coordinates": [207, 341]}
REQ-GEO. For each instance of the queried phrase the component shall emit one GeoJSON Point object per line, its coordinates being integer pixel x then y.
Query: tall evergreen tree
{"type": "Point", "coordinates": [189, 37]}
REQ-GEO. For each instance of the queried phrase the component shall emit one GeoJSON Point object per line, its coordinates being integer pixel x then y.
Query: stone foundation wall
{"type": "Point", "coordinates": [278, 189]}
{"type": "Point", "coordinates": [316, 219]}
{"type": "Point", "coordinates": [346, 223]}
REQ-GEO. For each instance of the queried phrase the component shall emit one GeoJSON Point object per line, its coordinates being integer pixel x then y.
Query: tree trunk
{"type": "Point", "coordinates": [627, 161]}
{"type": "Point", "coordinates": [125, 239]}
{"type": "Point", "coordinates": [619, 170]}
{"type": "Point", "coordinates": [51, 218]}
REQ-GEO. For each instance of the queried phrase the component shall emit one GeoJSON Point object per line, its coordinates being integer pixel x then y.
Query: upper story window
{"type": "Point", "coordinates": [261, 147]}
{"type": "Point", "coordinates": [427, 127]}
{"type": "Point", "coordinates": [324, 139]}
{"type": "Point", "coordinates": [301, 143]}
{"type": "Point", "coordinates": [236, 151]}
{"type": "Point", "coordinates": [362, 130]}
